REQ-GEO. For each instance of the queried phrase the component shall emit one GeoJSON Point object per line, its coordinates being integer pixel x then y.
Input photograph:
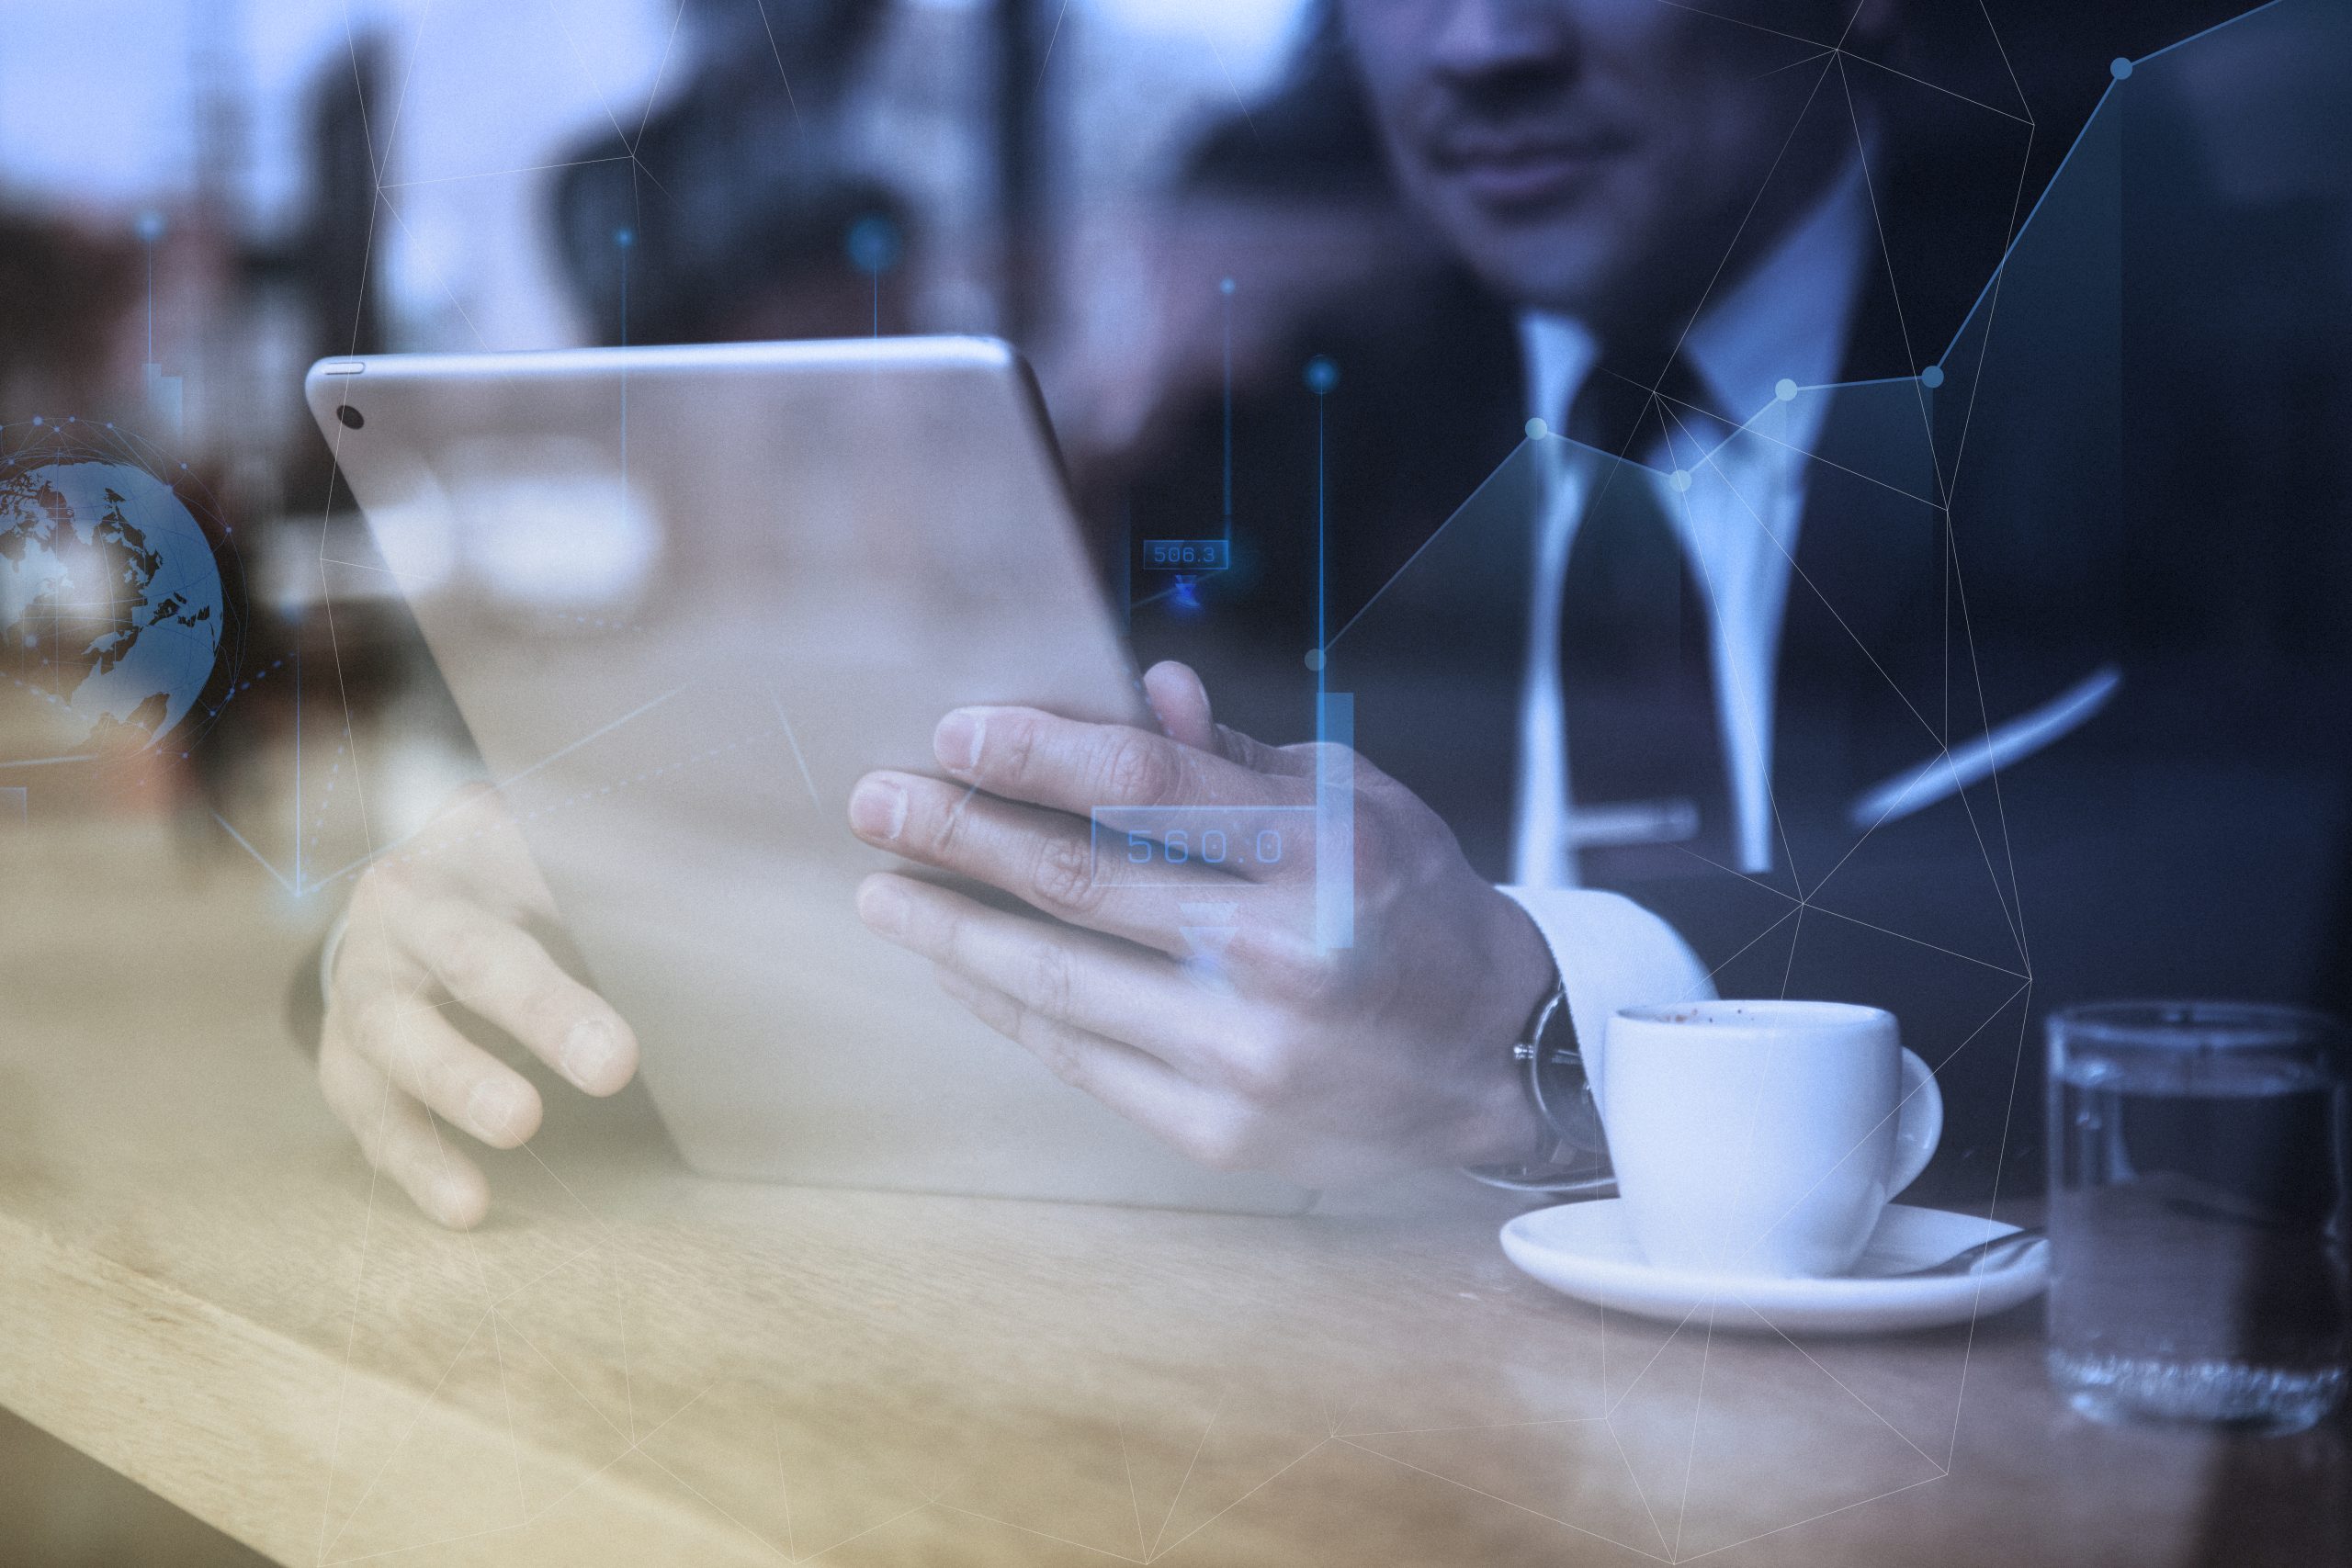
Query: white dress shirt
{"type": "Point", "coordinates": [1766, 351]}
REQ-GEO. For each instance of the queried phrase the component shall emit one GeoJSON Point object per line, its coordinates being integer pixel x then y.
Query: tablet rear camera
{"type": "Point", "coordinates": [351, 417]}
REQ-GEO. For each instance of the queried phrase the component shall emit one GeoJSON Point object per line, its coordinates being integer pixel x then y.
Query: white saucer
{"type": "Point", "coordinates": [1585, 1250]}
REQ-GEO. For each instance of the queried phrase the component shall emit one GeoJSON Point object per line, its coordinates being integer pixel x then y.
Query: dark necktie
{"type": "Point", "coordinates": [1636, 676]}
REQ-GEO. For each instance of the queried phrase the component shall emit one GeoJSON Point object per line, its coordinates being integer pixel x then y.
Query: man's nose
{"type": "Point", "coordinates": [1482, 38]}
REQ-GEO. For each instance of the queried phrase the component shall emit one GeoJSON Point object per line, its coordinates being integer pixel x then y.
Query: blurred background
{"type": "Point", "coordinates": [199, 197]}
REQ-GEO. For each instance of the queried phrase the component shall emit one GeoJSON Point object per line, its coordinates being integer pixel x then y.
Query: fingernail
{"type": "Point", "coordinates": [591, 1053]}
{"type": "Point", "coordinates": [879, 809]}
{"type": "Point", "coordinates": [494, 1107]}
{"type": "Point", "coordinates": [882, 908]}
{"type": "Point", "coordinates": [956, 741]}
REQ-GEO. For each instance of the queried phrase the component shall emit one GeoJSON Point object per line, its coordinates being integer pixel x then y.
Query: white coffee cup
{"type": "Point", "coordinates": [1762, 1139]}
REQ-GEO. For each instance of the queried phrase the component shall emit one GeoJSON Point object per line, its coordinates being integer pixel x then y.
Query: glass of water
{"type": "Point", "coordinates": [2199, 1213]}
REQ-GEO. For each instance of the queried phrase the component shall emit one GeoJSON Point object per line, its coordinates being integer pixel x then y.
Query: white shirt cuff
{"type": "Point", "coordinates": [1612, 953]}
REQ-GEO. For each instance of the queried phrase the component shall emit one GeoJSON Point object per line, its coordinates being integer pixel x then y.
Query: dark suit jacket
{"type": "Point", "coordinates": [2127, 466]}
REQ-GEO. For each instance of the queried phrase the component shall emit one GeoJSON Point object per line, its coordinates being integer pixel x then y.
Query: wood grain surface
{"type": "Point", "coordinates": [202, 1287]}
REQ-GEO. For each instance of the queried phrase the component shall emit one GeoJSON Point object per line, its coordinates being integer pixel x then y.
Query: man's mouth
{"type": "Point", "coordinates": [1524, 171]}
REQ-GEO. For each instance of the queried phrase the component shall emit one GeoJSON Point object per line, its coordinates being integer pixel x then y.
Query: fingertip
{"type": "Point", "coordinates": [504, 1111]}
{"type": "Point", "coordinates": [1180, 701]}
{"type": "Point", "coordinates": [450, 1190]}
{"type": "Point", "coordinates": [1170, 670]}
{"type": "Point", "coordinates": [878, 809]}
{"type": "Point", "coordinates": [883, 905]}
{"type": "Point", "coordinates": [958, 740]}
{"type": "Point", "coordinates": [1170, 687]}
{"type": "Point", "coordinates": [599, 1055]}
{"type": "Point", "coordinates": [525, 1124]}
{"type": "Point", "coordinates": [624, 1070]}
{"type": "Point", "coordinates": [462, 1202]}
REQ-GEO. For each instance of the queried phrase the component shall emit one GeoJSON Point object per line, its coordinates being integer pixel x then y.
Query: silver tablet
{"type": "Point", "coordinates": [685, 598]}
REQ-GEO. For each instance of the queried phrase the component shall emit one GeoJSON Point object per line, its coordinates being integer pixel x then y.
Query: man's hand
{"type": "Point", "coordinates": [443, 924]}
{"type": "Point", "coordinates": [1256, 1050]}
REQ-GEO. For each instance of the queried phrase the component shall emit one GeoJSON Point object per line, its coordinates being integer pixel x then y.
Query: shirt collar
{"type": "Point", "coordinates": [1785, 320]}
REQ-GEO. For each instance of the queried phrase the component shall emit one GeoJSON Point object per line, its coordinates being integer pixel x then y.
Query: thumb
{"type": "Point", "coordinates": [1182, 705]}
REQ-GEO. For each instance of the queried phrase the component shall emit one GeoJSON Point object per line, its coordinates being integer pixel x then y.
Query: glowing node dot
{"type": "Point", "coordinates": [1315, 659]}
{"type": "Point", "coordinates": [151, 226]}
{"type": "Point", "coordinates": [874, 244]}
{"type": "Point", "coordinates": [1322, 375]}
{"type": "Point", "coordinates": [1679, 478]}
{"type": "Point", "coordinates": [2119, 68]}
{"type": "Point", "coordinates": [1537, 430]}
{"type": "Point", "coordinates": [1933, 376]}
{"type": "Point", "coordinates": [1785, 389]}
{"type": "Point", "coordinates": [1226, 287]}
{"type": "Point", "coordinates": [624, 238]}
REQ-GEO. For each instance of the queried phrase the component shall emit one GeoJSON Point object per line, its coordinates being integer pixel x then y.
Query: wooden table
{"type": "Point", "coordinates": [201, 1287]}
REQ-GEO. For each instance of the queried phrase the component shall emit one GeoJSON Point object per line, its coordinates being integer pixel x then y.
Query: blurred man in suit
{"type": "Point", "coordinates": [1758, 705]}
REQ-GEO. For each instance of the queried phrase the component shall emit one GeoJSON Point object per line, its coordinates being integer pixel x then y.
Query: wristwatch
{"type": "Point", "coordinates": [1552, 1070]}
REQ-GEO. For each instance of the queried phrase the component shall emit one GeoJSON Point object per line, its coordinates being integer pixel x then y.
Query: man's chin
{"type": "Point", "coordinates": [1547, 267]}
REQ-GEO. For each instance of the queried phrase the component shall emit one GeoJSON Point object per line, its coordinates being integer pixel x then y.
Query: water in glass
{"type": "Point", "coordinates": [2197, 1213]}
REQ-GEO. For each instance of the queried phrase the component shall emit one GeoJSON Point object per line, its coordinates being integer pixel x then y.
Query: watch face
{"type": "Point", "coordinates": [1563, 1092]}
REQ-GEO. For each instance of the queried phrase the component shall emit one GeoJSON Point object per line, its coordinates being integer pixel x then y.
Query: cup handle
{"type": "Point", "coordinates": [1919, 1124]}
